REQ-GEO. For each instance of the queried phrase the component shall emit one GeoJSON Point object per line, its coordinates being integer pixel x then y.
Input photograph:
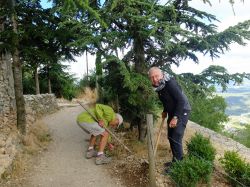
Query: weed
{"type": "Point", "coordinates": [34, 142]}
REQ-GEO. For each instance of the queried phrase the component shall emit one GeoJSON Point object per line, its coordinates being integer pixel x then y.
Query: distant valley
{"type": "Point", "coordinates": [238, 99]}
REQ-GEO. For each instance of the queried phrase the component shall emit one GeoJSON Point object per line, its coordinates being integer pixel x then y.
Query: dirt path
{"type": "Point", "coordinates": [64, 165]}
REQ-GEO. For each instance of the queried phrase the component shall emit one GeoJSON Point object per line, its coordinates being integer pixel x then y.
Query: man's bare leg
{"type": "Point", "coordinates": [103, 142]}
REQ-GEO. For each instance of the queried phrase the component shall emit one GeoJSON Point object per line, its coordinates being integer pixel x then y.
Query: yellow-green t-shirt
{"type": "Point", "coordinates": [100, 111]}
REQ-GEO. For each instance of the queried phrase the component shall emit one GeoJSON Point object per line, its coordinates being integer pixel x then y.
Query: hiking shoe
{"type": "Point", "coordinates": [167, 171]}
{"type": "Point", "coordinates": [167, 164]}
{"type": "Point", "coordinates": [91, 153]}
{"type": "Point", "coordinates": [102, 159]}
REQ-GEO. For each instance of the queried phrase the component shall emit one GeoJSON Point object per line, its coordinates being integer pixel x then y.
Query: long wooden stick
{"type": "Point", "coordinates": [159, 136]}
{"type": "Point", "coordinates": [109, 131]}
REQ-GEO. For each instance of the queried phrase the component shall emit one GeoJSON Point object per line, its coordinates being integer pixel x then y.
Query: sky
{"type": "Point", "coordinates": [235, 60]}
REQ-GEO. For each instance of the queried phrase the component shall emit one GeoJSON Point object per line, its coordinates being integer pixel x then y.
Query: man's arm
{"type": "Point", "coordinates": [104, 113]}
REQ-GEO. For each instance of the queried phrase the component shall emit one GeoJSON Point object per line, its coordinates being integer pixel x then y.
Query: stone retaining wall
{"type": "Point", "coordinates": [39, 105]}
{"type": "Point", "coordinates": [36, 106]}
{"type": "Point", "coordinates": [8, 132]}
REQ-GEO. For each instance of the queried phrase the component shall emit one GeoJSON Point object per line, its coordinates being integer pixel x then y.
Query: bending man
{"type": "Point", "coordinates": [106, 117]}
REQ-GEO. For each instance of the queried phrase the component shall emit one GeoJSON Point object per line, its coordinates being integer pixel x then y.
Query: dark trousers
{"type": "Point", "coordinates": [175, 136]}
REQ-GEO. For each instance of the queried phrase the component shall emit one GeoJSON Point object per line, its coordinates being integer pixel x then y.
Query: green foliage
{"type": "Point", "coordinates": [197, 166]}
{"type": "Point", "coordinates": [209, 112]}
{"type": "Point", "coordinates": [201, 148]}
{"type": "Point", "coordinates": [218, 75]}
{"type": "Point", "coordinates": [134, 92]}
{"type": "Point", "coordinates": [63, 83]}
{"type": "Point", "coordinates": [208, 109]}
{"type": "Point", "coordinates": [28, 83]}
{"type": "Point", "coordinates": [191, 171]}
{"type": "Point", "coordinates": [237, 169]}
{"type": "Point", "coordinates": [89, 81]}
{"type": "Point", "coordinates": [243, 136]}
{"type": "Point", "coordinates": [82, 6]}
{"type": "Point", "coordinates": [44, 39]}
{"type": "Point", "coordinates": [150, 34]}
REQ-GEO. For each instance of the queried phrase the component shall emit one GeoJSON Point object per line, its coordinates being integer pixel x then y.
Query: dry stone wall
{"type": "Point", "coordinates": [35, 106]}
{"type": "Point", "coordinates": [39, 105]}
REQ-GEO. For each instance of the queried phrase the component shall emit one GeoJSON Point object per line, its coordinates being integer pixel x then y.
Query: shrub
{"type": "Point", "coordinates": [237, 169]}
{"type": "Point", "coordinates": [190, 171]}
{"type": "Point", "coordinates": [243, 136]}
{"type": "Point", "coordinates": [201, 147]}
{"type": "Point", "coordinates": [88, 81]}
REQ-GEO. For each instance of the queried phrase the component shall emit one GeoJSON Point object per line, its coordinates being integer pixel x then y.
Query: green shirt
{"type": "Point", "coordinates": [100, 111]}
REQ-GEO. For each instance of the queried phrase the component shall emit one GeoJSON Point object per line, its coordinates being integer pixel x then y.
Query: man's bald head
{"type": "Point", "coordinates": [155, 74]}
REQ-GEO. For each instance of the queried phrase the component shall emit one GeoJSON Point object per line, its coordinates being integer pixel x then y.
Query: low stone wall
{"type": "Point", "coordinates": [39, 105]}
{"type": "Point", "coordinates": [36, 106]}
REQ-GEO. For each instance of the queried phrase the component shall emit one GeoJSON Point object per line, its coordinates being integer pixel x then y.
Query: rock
{"type": "Point", "coordinates": [2, 143]}
{"type": "Point", "coordinates": [2, 151]}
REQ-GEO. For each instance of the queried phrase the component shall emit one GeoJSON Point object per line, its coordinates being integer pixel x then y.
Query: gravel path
{"type": "Point", "coordinates": [64, 165]}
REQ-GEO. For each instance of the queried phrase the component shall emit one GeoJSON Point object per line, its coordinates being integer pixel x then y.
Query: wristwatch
{"type": "Point", "coordinates": [175, 117]}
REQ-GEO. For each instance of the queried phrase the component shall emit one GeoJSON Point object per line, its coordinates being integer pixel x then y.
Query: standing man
{"type": "Point", "coordinates": [176, 107]}
{"type": "Point", "coordinates": [106, 117]}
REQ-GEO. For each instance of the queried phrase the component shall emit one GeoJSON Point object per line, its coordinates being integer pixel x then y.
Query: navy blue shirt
{"type": "Point", "coordinates": [174, 101]}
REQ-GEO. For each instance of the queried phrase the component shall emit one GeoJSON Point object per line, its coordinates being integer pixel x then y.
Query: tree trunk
{"type": "Point", "coordinates": [49, 86]}
{"type": "Point", "coordinates": [140, 68]}
{"type": "Point", "coordinates": [98, 65]}
{"type": "Point", "coordinates": [139, 55]}
{"type": "Point", "coordinates": [142, 128]}
{"type": "Point", "coordinates": [18, 85]}
{"type": "Point", "coordinates": [116, 53]}
{"type": "Point", "coordinates": [49, 81]}
{"type": "Point", "coordinates": [87, 65]}
{"type": "Point", "coordinates": [37, 81]}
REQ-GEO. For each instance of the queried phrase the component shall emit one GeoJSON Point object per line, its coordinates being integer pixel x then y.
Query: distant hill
{"type": "Point", "coordinates": [238, 99]}
{"type": "Point", "coordinates": [245, 87]}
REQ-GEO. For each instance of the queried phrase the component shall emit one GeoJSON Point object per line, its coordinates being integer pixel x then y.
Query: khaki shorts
{"type": "Point", "coordinates": [91, 128]}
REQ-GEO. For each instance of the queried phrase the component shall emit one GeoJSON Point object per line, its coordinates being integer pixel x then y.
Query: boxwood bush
{"type": "Point", "coordinates": [190, 171]}
{"type": "Point", "coordinates": [197, 166]}
{"type": "Point", "coordinates": [201, 147]}
{"type": "Point", "coordinates": [237, 169]}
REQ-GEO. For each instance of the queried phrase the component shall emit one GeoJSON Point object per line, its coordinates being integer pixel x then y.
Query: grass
{"type": "Point", "coordinates": [88, 95]}
{"type": "Point", "coordinates": [243, 136]}
{"type": "Point", "coordinates": [239, 110]}
{"type": "Point", "coordinates": [33, 143]}
{"type": "Point", "coordinates": [241, 133]}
